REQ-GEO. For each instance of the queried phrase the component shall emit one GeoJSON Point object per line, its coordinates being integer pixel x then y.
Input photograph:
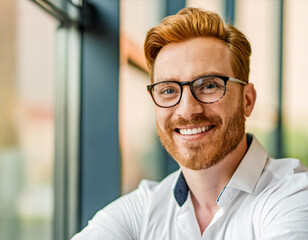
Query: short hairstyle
{"type": "Point", "coordinates": [190, 23]}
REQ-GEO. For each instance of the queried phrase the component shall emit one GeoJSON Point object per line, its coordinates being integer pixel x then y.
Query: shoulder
{"type": "Point", "coordinates": [154, 189]}
{"type": "Point", "coordinates": [147, 192]}
{"type": "Point", "coordinates": [124, 217]}
{"type": "Point", "coordinates": [283, 177]}
{"type": "Point", "coordinates": [281, 168]}
{"type": "Point", "coordinates": [282, 204]}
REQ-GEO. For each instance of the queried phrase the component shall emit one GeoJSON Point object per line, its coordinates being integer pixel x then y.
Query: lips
{"type": "Point", "coordinates": [194, 130]}
{"type": "Point", "coordinates": [198, 125]}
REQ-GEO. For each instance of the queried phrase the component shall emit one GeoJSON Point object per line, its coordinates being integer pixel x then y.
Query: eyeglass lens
{"type": "Point", "coordinates": [206, 89]}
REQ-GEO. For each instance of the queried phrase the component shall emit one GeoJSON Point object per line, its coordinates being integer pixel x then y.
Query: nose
{"type": "Point", "coordinates": [188, 106]}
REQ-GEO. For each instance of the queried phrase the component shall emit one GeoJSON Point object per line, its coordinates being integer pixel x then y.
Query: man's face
{"type": "Point", "coordinates": [212, 130]}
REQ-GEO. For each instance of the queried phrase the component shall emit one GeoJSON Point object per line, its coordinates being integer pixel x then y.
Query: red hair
{"type": "Point", "coordinates": [193, 22]}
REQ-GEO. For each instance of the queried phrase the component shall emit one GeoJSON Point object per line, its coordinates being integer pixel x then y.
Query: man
{"type": "Point", "coordinates": [227, 187]}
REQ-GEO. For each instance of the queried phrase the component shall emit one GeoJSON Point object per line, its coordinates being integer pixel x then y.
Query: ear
{"type": "Point", "coordinates": [250, 96]}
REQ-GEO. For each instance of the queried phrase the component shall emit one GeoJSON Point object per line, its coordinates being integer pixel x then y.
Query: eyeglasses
{"type": "Point", "coordinates": [205, 89]}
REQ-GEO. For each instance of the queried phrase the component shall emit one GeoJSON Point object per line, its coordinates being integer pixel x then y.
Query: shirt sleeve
{"type": "Point", "coordinates": [97, 232]}
{"type": "Point", "coordinates": [286, 211]}
{"type": "Point", "coordinates": [119, 220]}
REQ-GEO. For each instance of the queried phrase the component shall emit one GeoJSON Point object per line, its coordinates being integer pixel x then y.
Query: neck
{"type": "Point", "coordinates": [215, 178]}
{"type": "Point", "coordinates": [206, 185]}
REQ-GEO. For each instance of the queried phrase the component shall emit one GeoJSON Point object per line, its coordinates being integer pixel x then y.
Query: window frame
{"type": "Point", "coordinates": [66, 219]}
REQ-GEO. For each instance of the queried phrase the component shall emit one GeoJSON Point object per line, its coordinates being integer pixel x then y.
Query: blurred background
{"type": "Point", "coordinates": [77, 127]}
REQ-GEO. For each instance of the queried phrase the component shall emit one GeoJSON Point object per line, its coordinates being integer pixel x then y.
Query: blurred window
{"type": "Point", "coordinates": [26, 121]}
{"type": "Point", "coordinates": [295, 80]}
{"type": "Point", "coordinates": [140, 149]}
{"type": "Point", "coordinates": [209, 5]}
{"type": "Point", "coordinates": [259, 21]}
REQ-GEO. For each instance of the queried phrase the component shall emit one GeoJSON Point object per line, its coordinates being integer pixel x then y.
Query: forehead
{"type": "Point", "coordinates": [186, 60]}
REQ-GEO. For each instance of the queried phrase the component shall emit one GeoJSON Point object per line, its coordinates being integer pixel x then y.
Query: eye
{"type": "Point", "coordinates": [167, 91]}
{"type": "Point", "coordinates": [209, 85]}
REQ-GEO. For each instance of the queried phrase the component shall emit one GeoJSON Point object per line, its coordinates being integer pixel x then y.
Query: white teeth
{"type": "Point", "coordinates": [194, 130]}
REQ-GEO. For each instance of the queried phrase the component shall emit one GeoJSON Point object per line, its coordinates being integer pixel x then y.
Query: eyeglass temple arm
{"type": "Point", "coordinates": [237, 80]}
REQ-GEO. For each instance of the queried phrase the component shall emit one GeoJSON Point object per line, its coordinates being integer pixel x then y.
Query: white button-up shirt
{"type": "Point", "coordinates": [265, 199]}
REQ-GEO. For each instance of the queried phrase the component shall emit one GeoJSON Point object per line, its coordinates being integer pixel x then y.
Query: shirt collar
{"type": "Point", "coordinates": [244, 178]}
{"type": "Point", "coordinates": [248, 172]}
{"type": "Point", "coordinates": [180, 190]}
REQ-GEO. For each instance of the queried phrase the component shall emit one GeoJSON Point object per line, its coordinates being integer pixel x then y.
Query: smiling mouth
{"type": "Point", "coordinates": [193, 131]}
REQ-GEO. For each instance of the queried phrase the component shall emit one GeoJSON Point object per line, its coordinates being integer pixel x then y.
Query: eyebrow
{"type": "Point", "coordinates": [167, 79]}
{"type": "Point", "coordinates": [207, 74]}
{"type": "Point", "coordinates": [176, 79]}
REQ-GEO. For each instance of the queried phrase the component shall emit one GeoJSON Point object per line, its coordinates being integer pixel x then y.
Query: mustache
{"type": "Point", "coordinates": [197, 119]}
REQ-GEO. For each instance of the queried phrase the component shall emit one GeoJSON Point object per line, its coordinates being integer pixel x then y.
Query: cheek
{"type": "Point", "coordinates": [230, 103]}
{"type": "Point", "coordinates": [162, 115]}
{"type": "Point", "coordinates": [159, 117]}
{"type": "Point", "coordinates": [223, 110]}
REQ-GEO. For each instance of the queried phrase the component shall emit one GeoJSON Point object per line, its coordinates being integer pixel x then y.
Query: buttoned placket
{"type": "Point", "coordinates": [223, 201]}
{"type": "Point", "coordinates": [187, 223]}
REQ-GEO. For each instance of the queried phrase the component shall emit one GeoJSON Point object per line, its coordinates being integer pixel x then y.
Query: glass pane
{"type": "Point", "coordinates": [26, 121]}
{"type": "Point", "coordinates": [264, 64]}
{"type": "Point", "coordinates": [209, 5]}
{"type": "Point", "coordinates": [140, 148]}
{"type": "Point", "coordinates": [295, 80]}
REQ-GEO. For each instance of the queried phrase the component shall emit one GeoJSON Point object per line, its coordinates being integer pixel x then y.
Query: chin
{"type": "Point", "coordinates": [199, 156]}
{"type": "Point", "coordinates": [197, 159]}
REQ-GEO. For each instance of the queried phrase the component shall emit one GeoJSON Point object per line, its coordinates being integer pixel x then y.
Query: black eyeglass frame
{"type": "Point", "coordinates": [190, 84]}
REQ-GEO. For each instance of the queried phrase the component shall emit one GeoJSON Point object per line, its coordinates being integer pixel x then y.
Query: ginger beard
{"type": "Point", "coordinates": [200, 156]}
